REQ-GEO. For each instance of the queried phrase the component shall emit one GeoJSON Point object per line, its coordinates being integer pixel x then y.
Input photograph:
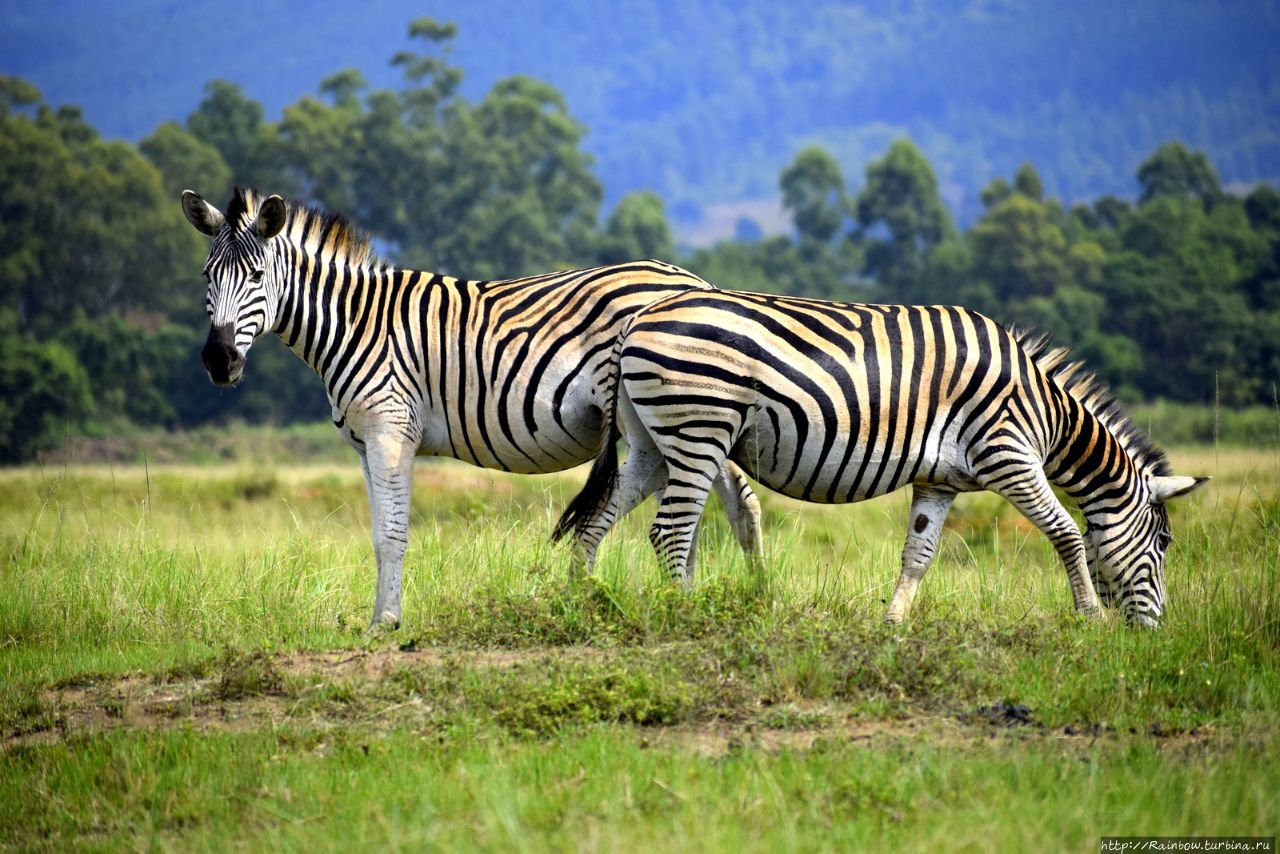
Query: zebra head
{"type": "Point", "coordinates": [1126, 546]}
{"type": "Point", "coordinates": [244, 281]}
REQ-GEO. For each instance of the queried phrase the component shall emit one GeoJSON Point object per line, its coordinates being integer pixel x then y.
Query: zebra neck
{"type": "Point", "coordinates": [1090, 464]}
{"type": "Point", "coordinates": [332, 317]}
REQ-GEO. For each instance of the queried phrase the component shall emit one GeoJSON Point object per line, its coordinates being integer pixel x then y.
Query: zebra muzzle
{"type": "Point", "coordinates": [222, 361]}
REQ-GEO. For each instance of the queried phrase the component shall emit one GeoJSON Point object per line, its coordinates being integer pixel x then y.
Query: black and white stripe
{"type": "Point", "coordinates": [503, 374]}
{"type": "Point", "coordinates": [835, 403]}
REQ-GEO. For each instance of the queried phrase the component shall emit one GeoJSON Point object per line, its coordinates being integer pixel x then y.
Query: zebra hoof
{"type": "Point", "coordinates": [388, 621]}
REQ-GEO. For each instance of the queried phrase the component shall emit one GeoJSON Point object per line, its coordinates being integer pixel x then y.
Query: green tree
{"type": "Point", "coordinates": [524, 197]}
{"type": "Point", "coordinates": [434, 80]}
{"type": "Point", "coordinates": [44, 392]}
{"type": "Point", "coordinates": [186, 163]}
{"type": "Point", "coordinates": [1018, 251]}
{"type": "Point", "coordinates": [996, 192]}
{"type": "Point", "coordinates": [1111, 211]}
{"type": "Point", "coordinates": [234, 124]}
{"type": "Point", "coordinates": [83, 223]}
{"type": "Point", "coordinates": [1175, 171]}
{"type": "Point", "coordinates": [16, 92]}
{"type": "Point", "coordinates": [637, 228]}
{"type": "Point", "coordinates": [901, 197]}
{"type": "Point", "coordinates": [133, 364]}
{"type": "Point", "coordinates": [1027, 182]}
{"type": "Point", "coordinates": [323, 143]}
{"type": "Point", "coordinates": [497, 188]}
{"type": "Point", "coordinates": [1263, 208]}
{"type": "Point", "coordinates": [813, 193]}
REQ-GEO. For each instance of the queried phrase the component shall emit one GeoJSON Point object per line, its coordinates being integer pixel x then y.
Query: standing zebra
{"type": "Point", "coordinates": [504, 375]}
{"type": "Point", "coordinates": [835, 403]}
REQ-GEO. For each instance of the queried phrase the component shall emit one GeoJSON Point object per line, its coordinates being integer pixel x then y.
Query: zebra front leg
{"type": "Point", "coordinates": [742, 507]}
{"type": "Point", "coordinates": [1029, 490]}
{"type": "Point", "coordinates": [929, 506]}
{"type": "Point", "coordinates": [388, 473]}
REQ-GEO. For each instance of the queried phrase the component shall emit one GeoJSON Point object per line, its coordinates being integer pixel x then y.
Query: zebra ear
{"type": "Point", "coordinates": [1164, 488]}
{"type": "Point", "coordinates": [271, 215]}
{"type": "Point", "coordinates": [203, 216]}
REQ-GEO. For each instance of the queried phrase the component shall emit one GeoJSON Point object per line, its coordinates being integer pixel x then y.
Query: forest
{"type": "Point", "coordinates": [1170, 293]}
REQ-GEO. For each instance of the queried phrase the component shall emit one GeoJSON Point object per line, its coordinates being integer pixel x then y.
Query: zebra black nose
{"type": "Point", "coordinates": [222, 360]}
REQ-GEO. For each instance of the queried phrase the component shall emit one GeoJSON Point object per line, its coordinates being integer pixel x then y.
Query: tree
{"type": "Point", "coordinates": [234, 125]}
{"type": "Point", "coordinates": [1263, 207]}
{"type": "Point", "coordinates": [43, 391]}
{"type": "Point", "coordinates": [1027, 182]}
{"type": "Point", "coordinates": [1175, 171]}
{"type": "Point", "coordinates": [16, 92]}
{"type": "Point", "coordinates": [1111, 211]}
{"type": "Point", "coordinates": [435, 80]}
{"type": "Point", "coordinates": [813, 192]}
{"type": "Point", "coordinates": [995, 192]}
{"type": "Point", "coordinates": [83, 223]}
{"type": "Point", "coordinates": [323, 143]}
{"type": "Point", "coordinates": [187, 163]}
{"type": "Point", "coordinates": [637, 228]}
{"type": "Point", "coordinates": [1018, 251]}
{"type": "Point", "coordinates": [523, 197]}
{"type": "Point", "coordinates": [901, 197]}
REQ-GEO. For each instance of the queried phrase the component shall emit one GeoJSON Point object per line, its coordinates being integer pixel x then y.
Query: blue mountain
{"type": "Point", "coordinates": [706, 102]}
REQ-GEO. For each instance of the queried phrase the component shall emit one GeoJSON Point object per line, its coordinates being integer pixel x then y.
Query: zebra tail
{"type": "Point", "coordinates": [599, 487]}
{"type": "Point", "coordinates": [603, 477]}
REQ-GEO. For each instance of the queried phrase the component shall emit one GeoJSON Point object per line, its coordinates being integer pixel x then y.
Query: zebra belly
{"type": "Point", "coordinates": [836, 472]}
{"type": "Point", "coordinates": [549, 436]}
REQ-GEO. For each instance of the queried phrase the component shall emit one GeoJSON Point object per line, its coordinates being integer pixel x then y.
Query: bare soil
{"type": "Point", "coordinates": [283, 689]}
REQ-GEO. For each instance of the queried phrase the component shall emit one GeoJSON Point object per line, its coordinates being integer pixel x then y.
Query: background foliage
{"type": "Point", "coordinates": [1085, 90]}
{"type": "Point", "coordinates": [1174, 294]}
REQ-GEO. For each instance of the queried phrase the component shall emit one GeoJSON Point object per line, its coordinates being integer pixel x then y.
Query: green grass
{"type": "Point", "coordinates": [183, 663]}
{"type": "Point", "coordinates": [605, 788]}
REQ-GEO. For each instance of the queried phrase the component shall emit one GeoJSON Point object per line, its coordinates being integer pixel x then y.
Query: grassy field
{"type": "Point", "coordinates": [183, 665]}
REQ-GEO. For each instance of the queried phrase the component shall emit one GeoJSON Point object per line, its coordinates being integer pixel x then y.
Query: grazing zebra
{"type": "Point", "coordinates": [505, 375]}
{"type": "Point", "coordinates": [835, 403]}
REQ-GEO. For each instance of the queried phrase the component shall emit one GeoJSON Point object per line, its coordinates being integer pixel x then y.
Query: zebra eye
{"type": "Point", "coordinates": [1163, 539]}
{"type": "Point", "coordinates": [255, 276]}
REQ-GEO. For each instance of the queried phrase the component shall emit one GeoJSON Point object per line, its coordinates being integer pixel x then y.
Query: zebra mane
{"type": "Point", "coordinates": [1094, 395]}
{"type": "Point", "coordinates": [324, 234]}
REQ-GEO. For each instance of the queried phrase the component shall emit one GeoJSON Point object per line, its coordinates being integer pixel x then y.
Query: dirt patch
{"type": "Point", "coordinates": [260, 688]}
{"type": "Point", "coordinates": [377, 664]}
{"type": "Point", "coordinates": [382, 688]}
{"type": "Point", "coordinates": [720, 739]}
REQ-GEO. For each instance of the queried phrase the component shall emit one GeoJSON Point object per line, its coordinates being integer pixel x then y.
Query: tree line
{"type": "Point", "coordinates": [1174, 295]}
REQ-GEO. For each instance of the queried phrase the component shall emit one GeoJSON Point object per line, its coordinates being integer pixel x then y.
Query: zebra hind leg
{"type": "Point", "coordinates": [675, 528]}
{"type": "Point", "coordinates": [929, 506]}
{"type": "Point", "coordinates": [640, 476]}
{"type": "Point", "coordinates": [742, 508]}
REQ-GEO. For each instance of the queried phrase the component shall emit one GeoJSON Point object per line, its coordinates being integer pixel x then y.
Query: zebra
{"type": "Point", "coordinates": [501, 374]}
{"type": "Point", "coordinates": [838, 402]}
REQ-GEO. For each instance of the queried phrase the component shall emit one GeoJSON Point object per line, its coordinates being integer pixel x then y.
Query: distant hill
{"type": "Point", "coordinates": [707, 102]}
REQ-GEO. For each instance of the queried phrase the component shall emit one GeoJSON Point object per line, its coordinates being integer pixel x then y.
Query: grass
{"type": "Point", "coordinates": [183, 663]}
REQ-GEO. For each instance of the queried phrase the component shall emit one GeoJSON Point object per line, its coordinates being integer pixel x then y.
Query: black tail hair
{"type": "Point", "coordinates": [599, 487]}
{"type": "Point", "coordinates": [603, 477]}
